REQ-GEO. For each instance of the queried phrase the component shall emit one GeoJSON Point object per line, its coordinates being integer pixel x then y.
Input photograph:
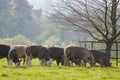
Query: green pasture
{"type": "Point", "coordinates": [55, 72]}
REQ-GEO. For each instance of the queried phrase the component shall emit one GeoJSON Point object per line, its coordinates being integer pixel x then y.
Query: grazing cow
{"type": "Point", "coordinates": [57, 54]}
{"type": "Point", "coordinates": [80, 53]}
{"type": "Point", "coordinates": [38, 51]}
{"type": "Point", "coordinates": [9, 52]}
{"type": "Point", "coordinates": [100, 57]}
{"type": "Point", "coordinates": [20, 49]}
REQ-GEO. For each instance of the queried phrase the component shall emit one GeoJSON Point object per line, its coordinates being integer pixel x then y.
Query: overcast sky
{"type": "Point", "coordinates": [37, 4]}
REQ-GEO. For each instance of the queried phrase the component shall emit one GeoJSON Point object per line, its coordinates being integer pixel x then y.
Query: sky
{"type": "Point", "coordinates": [37, 4]}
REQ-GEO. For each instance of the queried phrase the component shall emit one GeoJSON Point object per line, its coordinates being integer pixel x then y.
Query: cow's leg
{"type": "Point", "coordinates": [28, 61]}
{"type": "Point", "coordinates": [23, 61]}
{"type": "Point", "coordinates": [66, 61]}
{"type": "Point", "coordinates": [42, 62]}
{"type": "Point", "coordinates": [101, 62]}
{"type": "Point", "coordinates": [58, 61]}
{"type": "Point", "coordinates": [83, 63]}
{"type": "Point", "coordinates": [62, 62]}
{"type": "Point", "coordinates": [10, 62]}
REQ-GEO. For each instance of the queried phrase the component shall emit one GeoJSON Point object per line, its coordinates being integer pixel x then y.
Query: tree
{"type": "Point", "coordinates": [23, 13]}
{"type": "Point", "coordinates": [99, 18]}
{"type": "Point", "coordinates": [17, 40]}
{"type": "Point", "coordinates": [6, 17]}
{"type": "Point", "coordinates": [52, 40]}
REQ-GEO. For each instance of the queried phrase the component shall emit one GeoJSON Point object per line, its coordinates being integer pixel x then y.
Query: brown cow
{"type": "Point", "coordinates": [38, 51]}
{"type": "Point", "coordinates": [21, 52]}
{"type": "Point", "coordinates": [57, 54]}
{"type": "Point", "coordinates": [80, 53]}
{"type": "Point", "coordinates": [100, 57]}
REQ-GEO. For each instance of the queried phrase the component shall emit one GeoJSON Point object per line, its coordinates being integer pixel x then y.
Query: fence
{"type": "Point", "coordinates": [115, 51]}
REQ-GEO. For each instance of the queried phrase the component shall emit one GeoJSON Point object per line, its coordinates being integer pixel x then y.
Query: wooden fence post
{"type": "Point", "coordinates": [116, 54]}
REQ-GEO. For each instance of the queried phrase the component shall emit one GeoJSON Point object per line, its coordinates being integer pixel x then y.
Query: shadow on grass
{"type": "Point", "coordinates": [4, 75]}
{"type": "Point", "coordinates": [13, 67]}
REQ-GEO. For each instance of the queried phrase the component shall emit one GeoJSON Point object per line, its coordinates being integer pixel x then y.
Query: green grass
{"type": "Point", "coordinates": [55, 72]}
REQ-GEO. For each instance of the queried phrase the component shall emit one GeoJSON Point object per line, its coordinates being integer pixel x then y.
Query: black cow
{"type": "Point", "coordinates": [57, 54]}
{"type": "Point", "coordinates": [9, 52]}
{"type": "Point", "coordinates": [101, 58]}
{"type": "Point", "coordinates": [76, 53]}
{"type": "Point", "coordinates": [38, 51]}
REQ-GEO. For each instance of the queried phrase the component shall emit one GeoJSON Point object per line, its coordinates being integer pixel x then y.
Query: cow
{"type": "Point", "coordinates": [21, 52]}
{"type": "Point", "coordinates": [38, 51]}
{"type": "Point", "coordinates": [80, 53]}
{"type": "Point", "coordinates": [100, 57]}
{"type": "Point", "coordinates": [57, 54]}
{"type": "Point", "coordinates": [9, 52]}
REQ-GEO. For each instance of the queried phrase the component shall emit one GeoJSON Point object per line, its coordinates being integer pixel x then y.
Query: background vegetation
{"type": "Point", "coordinates": [17, 17]}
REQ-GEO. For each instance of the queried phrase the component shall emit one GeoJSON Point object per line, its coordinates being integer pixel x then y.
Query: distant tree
{"type": "Point", "coordinates": [6, 17]}
{"type": "Point", "coordinates": [99, 18]}
{"type": "Point", "coordinates": [23, 13]}
{"type": "Point", "coordinates": [47, 32]}
{"type": "Point", "coordinates": [52, 40]}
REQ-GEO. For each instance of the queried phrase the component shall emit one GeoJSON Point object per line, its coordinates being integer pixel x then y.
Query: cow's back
{"type": "Point", "coordinates": [32, 50]}
{"type": "Point", "coordinates": [76, 51]}
{"type": "Point", "coordinates": [20, 49]}
{"type": "Point", "coordinates": [56, 52]}
{"type": "Point", "coordinates": [37, 51]}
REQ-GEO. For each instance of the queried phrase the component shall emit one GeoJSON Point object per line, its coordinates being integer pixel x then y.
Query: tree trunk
{"type": "Point", "coordinates": [108, 52]}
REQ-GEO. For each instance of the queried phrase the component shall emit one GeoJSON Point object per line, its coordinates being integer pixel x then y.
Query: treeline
{"type": "Point", "coordinates": [19, 21]}
{"type": "Point", "coordinates": [15, 18]}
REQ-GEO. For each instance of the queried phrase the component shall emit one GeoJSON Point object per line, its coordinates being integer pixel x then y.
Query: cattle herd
{"type": "Point", "coordinates": [66, 56]}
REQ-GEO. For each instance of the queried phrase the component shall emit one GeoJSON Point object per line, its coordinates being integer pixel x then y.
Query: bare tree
{"type": "Point", "coordinates": [99, 18]}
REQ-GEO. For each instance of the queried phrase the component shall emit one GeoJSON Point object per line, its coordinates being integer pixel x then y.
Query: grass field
{"type": "Point", "coordinates": [55, 72]}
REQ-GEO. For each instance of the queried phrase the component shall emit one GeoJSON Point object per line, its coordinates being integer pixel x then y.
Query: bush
{"type": "Point", "coordinates": [19, 39]}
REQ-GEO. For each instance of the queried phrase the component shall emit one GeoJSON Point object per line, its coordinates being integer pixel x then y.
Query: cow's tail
{"type": "Point", "coordinates": [66, 61]}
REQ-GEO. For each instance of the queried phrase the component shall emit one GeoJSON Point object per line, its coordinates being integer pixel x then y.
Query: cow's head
{"type": "Point", "coordinates": [91, 61]}
{"type": "Point", "coordinates": [49, 62]}
{"type": "Point", "coordinates": [17, 62]}
{"type": "Point", "coordinates": [107, 64]}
